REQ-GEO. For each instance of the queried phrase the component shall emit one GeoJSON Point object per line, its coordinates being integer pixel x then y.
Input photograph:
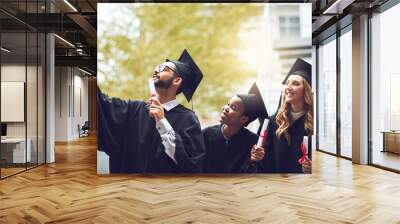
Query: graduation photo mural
{"type": "Point", "coordinates": [204, 88]}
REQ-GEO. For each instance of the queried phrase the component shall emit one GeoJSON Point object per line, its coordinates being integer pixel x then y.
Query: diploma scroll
{"type": "Point", "coordinates": [304, 150]}
{"type": "Point", "coordinates": [152, 88]}
{"type": "Point", "coordinates": [263, 133]}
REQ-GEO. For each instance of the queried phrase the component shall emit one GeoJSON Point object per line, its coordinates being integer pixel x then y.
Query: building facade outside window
{"type": "Point", "coordinates": [289, 26]}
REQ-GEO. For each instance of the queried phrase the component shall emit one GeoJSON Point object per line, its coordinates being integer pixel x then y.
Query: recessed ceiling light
{"type": "Point", "coordinates": [70, 5]}
{"type": "Point", "coordinates": [84, 71]}
{"type": "Point", "coordinates": [338, 6]}
{"type": "Point", "coordinates": [5, 50]}
{"type": "Point", "coordinates": [64, 40]}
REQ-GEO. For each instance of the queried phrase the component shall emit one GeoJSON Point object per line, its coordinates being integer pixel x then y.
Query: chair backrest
{"type": "Point", "coordinates": [86, 125]}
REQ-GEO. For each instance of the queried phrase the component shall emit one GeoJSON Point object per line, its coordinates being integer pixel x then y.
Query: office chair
{"type": "Point", "coordinates": [84, 130]}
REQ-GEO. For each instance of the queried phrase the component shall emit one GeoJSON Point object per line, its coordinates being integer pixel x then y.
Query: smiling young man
{"type": "Point", "coordinates": [159, 135]}
{"type": "Point", "coordinates": [228, 145]}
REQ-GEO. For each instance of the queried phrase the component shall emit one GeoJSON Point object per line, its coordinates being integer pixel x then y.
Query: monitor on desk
{"type": "Point", "coordinates": [3, 130]}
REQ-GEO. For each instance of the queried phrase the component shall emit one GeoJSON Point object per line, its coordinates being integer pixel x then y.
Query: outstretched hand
{"type": "Point", "coordinates": [156, 108]}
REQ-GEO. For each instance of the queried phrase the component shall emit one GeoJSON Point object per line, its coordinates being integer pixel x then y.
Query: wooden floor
{"type": "Point", "coordinates": [10, 171]}
{"type": "Point", "coordinates": [387, 159]}
{"type": "Point", "coordinates": [5, 172]}
{"type": "Point", "coordinates": [70, 191]}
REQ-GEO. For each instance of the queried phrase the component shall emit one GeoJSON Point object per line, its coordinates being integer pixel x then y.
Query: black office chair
{"type": "Point", "coordinates": [84, 130]}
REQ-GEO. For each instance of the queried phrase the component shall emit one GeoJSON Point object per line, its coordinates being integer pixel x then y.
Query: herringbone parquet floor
{"type": "Point", "coordinates": [70, 191]}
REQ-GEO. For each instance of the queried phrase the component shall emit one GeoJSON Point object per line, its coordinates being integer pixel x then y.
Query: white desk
{"type": "Point", "coordinates": [18, 149]}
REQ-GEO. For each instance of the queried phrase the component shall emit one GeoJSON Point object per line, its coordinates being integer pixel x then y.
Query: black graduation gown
{"type": "Point", "coordinates": [128, 135]}
{"type": "Point", "coordinates": [280, 157]}
{"type": "Point", "coordinates": [227, 156]}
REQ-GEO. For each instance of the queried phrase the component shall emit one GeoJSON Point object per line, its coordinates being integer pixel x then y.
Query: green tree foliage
{"type": "Point", "coordinates": [131, 48]}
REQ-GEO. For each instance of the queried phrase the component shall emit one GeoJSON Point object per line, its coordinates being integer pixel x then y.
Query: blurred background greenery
{"type": "Point", "coordinates": [134, 38]}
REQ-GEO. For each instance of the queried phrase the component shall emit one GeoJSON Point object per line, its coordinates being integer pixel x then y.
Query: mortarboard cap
{"type": "Point", "coordinates": [254, 104]}
{"type": "Point", "coordinates": [189, 72]}
{"type": "Point", "coordinates": [302, 68]}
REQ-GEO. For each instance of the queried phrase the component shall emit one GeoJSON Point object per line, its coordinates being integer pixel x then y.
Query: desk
{"type": "Point", "coordinates": [15, 148]}
{"type": "Point", "coordinates": [391, 141]}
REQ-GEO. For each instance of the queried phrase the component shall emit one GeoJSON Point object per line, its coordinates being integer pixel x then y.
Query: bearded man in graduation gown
{"type": "Point", "coordinates": [228, 144]}
{"type": "Point", "coordinates": [159, 135]}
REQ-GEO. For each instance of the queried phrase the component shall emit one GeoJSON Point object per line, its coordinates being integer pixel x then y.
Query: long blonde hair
{"type": "Point", "coordinates": [283, 118]}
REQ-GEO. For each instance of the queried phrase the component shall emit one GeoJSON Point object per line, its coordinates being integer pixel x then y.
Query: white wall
{"type": "Point", "coordinates": [61, 103]}
{"type": "Point", "coordinates": [80, 102]}
{"type": "Point", "coordinates": [71, 94]}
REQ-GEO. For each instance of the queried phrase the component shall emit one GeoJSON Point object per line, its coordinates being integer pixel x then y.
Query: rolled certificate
{"type": "Point", "coordinates": [263, 133]}
{"type": "Point", "coordinates": [152, 88]}
{"type": "Point", "coordinates": [304, 150]}
{"type": "Point", "coordinates": [305, 143]}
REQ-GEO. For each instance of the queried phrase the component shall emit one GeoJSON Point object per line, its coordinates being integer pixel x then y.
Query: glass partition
{"type": "Point", "coordinates": [14, 153]}
{"type": "Point", "coordinates": [22, 88]}
{"type": "Point", "coordinates": [32, 95]}
{"type": "Point", "coordinates": [41, 109]}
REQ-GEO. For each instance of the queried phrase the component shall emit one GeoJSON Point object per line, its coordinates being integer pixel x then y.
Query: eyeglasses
{"type": "Point", "coordinates": [162, 68]}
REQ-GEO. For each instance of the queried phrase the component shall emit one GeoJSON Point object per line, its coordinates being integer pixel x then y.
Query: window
{"type": "Point", "coordinates": [289, 26]}
{"type": "Point", "coordinates": [385, 89]}
{"type": "Point", "coordinates": [327, 96]}
{"type": "Point", "coordinates": [346, 94]}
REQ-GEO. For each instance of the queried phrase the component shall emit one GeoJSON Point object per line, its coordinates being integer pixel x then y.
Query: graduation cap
{"type": "Point", "coordinates": [254, 104]}
{"type": "Point", "coordinates": [189, 72]}
{"type": "Point", "coordinates": [301, 68]}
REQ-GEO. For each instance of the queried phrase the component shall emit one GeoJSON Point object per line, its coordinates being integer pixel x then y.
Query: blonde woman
{"type": "Point", "coordinates": [284, 152]}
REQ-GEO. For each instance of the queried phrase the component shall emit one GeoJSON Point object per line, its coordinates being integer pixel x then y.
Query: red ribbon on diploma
{"type": "Point", "coordinates": [304, 152]}
{"type": "Point", "coordinates": [263, 136]}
